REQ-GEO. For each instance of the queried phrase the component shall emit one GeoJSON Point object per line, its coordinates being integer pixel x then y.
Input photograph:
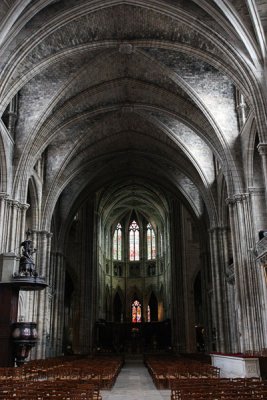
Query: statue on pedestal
{"type": "Point", "coordinates": [27, 277]}
{"type": "Point", "coordinates": [26, 264]}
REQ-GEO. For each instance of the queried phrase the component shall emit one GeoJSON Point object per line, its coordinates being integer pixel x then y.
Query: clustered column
{"type": "Point", "coordinates": [3, 222]}
{"type": "Point", "coordinates": [248, 311]}
{"type": "Point", "coordinates": [57, 283]}
{"type": "Point", "coordinates": [86, 284]}
{"type": "Point", "coordinates": [220, 311]}
{"type": "Point", "coordinates": [12, 221]}
{"type": "Point", "coordinates": [262, 149]}
{"type": "Point", "coordinates": [43, 241]}
{"type": "Point", "coordinates": [177, 282]}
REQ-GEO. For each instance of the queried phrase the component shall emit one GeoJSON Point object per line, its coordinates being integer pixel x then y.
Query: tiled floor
{"type": "Point", "coordinates": [135, 383]}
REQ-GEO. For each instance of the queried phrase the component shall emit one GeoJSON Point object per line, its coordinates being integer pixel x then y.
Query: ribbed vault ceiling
{"type": "Point", "coordinates": [126, 90]}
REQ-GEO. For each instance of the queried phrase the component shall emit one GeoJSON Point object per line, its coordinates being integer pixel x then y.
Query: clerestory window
{"type": "Point", "coordinates": [117, 243]}
{"type": "Point", "coordinates": [134, 241]}
{"type": "Point", "coordinates": [151, 242]}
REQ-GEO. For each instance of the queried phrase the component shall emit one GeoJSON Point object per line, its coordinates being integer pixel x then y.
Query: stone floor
{"type": "Point", "coordinates": [135, 383]}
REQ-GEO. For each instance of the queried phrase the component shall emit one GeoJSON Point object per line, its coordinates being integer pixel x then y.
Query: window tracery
{"type": "Point", "coordinates": [117, 243]}
{"type": "Point", "coordinates": [134, 241]}
{"type": "Point", "coordinates": [151, 242]}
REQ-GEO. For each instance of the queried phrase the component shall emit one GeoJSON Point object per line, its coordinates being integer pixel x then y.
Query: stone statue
{"type": "Point", "coordinates": [26, 264]}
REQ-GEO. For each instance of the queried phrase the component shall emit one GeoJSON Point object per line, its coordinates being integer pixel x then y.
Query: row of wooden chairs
{"type": "Point", "coordinates": [219, 389]}
{"type": "Point", "coordinates": [61, 378]}
{"type": "Point", "coordinates": [167, 370]}
{"type": "Point", "coordinates": [102, 371]}
{"type": "Point", "coordinates": [49, 390]}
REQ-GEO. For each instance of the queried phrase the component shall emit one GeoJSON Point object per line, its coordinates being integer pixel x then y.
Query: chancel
{"type": "Point", "coordinates": [133, 172]}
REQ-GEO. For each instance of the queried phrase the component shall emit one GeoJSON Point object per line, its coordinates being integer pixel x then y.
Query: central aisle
{"type": "Point", "coordinates": [135, 383]}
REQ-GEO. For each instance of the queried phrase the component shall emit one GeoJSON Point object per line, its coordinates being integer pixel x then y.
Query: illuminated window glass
{"type": "Point", "coordinates": [136, 312]}
{"type": "Point", "coordinates": [151, 243]}
{"type": "Point", "coordinates": [134, 242]}
{"type": "Point", "coordinates": [117, 241]}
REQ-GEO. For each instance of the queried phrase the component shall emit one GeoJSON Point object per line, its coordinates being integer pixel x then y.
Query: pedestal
{"type": "Point", "coordinates": [24, 337]}
{"type": "Point", "coordinates": [10, 285]}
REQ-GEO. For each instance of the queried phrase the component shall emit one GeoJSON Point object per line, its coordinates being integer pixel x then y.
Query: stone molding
{"type": "Point", "coordinates": [237, 198]}
{"type": "Point", "coordinates": [255, 190]}
{"type": "Point", "coordinates": [14, 203]}
{"type": "Point", "coordinates": [41, 232]}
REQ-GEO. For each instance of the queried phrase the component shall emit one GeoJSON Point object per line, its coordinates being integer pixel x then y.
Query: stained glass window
{"type": "Point", "coordinates": [136, 312]}
{"type": "Point", "coordinates": [134, 241]}
{"type": "Point", "coordinates": [117, 241]}
{"type": "Point", "coordinates": [151, 243]}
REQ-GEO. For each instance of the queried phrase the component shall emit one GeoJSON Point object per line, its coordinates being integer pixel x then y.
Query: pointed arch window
{"type": "Point", "coordinates": [151, 242]}
{"type": "Point", "coordinates": [136, 312]}
{"type": "Point", "coordinates": [134, 241]}
{"type": "Point", "coordinates": [117, 243]}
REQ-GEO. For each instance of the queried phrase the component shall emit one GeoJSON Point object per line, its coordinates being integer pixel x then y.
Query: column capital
{"type": "Point", "coordinates": [237, 198]}
{"type": "Point", "coordinates": [15, 203]}
{"type": "Point", "coordinates": [41, 232]}
{"type": "Point", "coordinates": [219, 229]}
{"type": "Point", "coordinates": [24, 206]}
{"type": "Point", "coordinates": [3, 195]}
{"type": "Point", "coordinates": [262, 148]}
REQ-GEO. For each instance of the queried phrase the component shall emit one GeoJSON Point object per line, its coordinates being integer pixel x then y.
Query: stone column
{"type": "Point", "coordinates": [207, 293]}
{"type": "Point", "coordinates": [43, 301]}
{"type": "Point", "coordinates": [248, 310]}
{"type": "Point", "coordinates": [177, 281]}
{"type": "Point", "coordinates": [3, 221]}
{"type": "Point", "coordinates": [234, 337]}
{"type": "Point", "coordinates": [262, 149]}
{"type": "Point", "coordinates": [262, 271]}
{"type": "Point", "coordinates": [57, 293]}
{"type": "Point", "coordinates": [12, 115]}
{"type": "Point", "coordinates": [14, 214]}
{"type": "Point", "coordinates": [22, 230]}
{"type": "Point", "coordinates": [82, 258]}
{"type": "Point", "coordinates": [259, 217]}
{"type": "Point", "coordinates": [219, 257]}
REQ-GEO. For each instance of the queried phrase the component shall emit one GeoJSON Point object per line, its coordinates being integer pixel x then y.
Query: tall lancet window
{"type": "Point", "coordinates": [151, 242]}
{"type": "Point", "coordinates": [117, 240]}
{"type": "Point", "coordinates": [134, 242]}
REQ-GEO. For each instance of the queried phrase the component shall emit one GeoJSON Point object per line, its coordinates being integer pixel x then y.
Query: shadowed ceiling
{"type": "Point", "coordinates": [116, 94]}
